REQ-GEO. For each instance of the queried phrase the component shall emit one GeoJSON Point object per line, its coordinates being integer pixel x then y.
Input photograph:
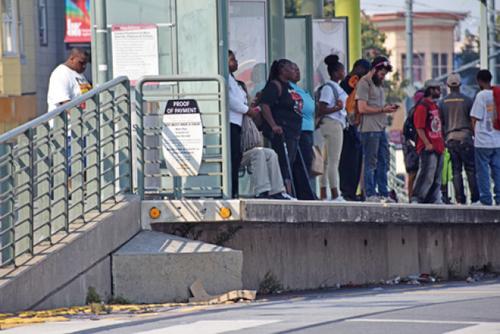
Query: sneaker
{"type": "Point", "coordinates": [339, 199]}
{"type": "Point", "coordinates": [478, 203]}
{"type": "Point", "coordinates": [283, 196]}
{"type": "Point", "coordinates": [373, 199]}
{"type": "Point", "coordinates": [387, 200]}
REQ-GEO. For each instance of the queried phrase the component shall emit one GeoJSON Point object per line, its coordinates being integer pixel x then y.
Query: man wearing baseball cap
{"type": "Point", "coordinates": [458, 135]}
{"type": "Point", "coordinates": [370, 97]}
{"type": "Point", "coordinates": [430, 146]}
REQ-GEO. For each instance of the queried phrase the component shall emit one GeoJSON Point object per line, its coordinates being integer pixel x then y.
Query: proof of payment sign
{"type": "Point", "coordinates": [182, 137]}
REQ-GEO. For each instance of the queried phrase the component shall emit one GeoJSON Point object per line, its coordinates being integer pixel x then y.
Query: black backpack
{"type": "Point", "coordinates": [409, 131]}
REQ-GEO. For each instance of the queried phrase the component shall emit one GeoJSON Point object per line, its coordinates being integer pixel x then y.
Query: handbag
{"type": "Point", "coordinates": [318, 162]}
{"type": "Point", "coordinates": [250, 135]}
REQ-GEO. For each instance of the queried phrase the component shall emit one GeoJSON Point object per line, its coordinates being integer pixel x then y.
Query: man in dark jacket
{"type": "Point", "coordinates": [457, 129]}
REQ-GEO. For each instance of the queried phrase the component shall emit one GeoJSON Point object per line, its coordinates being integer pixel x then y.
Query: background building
{"type": "Point", "coordinates": [434, 38]}
{"type": "Point", "coordinates": [32, 44]}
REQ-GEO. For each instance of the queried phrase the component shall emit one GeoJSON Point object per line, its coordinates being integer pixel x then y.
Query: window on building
{"type": "Point", "coordinates": [439, 64]}
{"type": "Point", "coordinates": [418, 66]}
{"type": "Point", "coordinates": [42, 23]}
{"type": "Point", "coordinates": [9, 27]}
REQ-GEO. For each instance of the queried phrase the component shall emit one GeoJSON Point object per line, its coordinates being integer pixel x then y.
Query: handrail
{"type": "Point", "coordinates": [63, 165]}
{"type": "Point", "coordinates": [52, 114]}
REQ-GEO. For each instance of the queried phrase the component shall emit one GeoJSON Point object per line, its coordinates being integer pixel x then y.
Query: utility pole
{"type": "Point", "coordinates": [483, 36]}
{"type": "Point", "coordinates": [101, 44]}
{"type": "Point", "coordinates": [409, 43]}
{"type": "Point", "coordinates": [492, 39]}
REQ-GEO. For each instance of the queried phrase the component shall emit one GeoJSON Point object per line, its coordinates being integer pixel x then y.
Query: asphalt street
{"type": "Point", "coordinates": [453, 308]}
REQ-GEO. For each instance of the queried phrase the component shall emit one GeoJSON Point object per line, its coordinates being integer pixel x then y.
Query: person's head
{"type": "Point", "coordinates": [336, 70]}
{"type": "Point", "coordinates": [296, 75]}
{"type": "Point", "coordinates": [77, 60]}
{"type": "Point", "coordinates": [432, 89]}
{"type": "Point", "coordinates": [361, 67]}
{"type": "Point", "coordinates": [380, 67]}
{"type": "Point", "coordinates": [484, 78]}
{"type": "Point", "coordinates": [281, 70]}
{"type": "Point", "coordinates": [454, 82]}
{"type": "Point", "coordinates": [232, 62]}
{"type": "Point", "coordinates": [419, 94]}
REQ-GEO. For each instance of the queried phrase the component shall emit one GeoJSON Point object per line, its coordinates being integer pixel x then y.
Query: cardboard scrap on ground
{"type": "Point", "coordinates": [200, 295]}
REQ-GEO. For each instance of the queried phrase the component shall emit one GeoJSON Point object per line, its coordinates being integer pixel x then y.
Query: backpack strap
{"type": "Point", "coordinates": [278, 85]}
{"type": "Point", "coordinates": [334, 90]}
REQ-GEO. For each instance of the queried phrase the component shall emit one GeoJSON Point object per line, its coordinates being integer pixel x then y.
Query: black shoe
{"type": "Point", "coordinates": [282, 196]}
{"type": "Point", "coordinates": [265, 194]}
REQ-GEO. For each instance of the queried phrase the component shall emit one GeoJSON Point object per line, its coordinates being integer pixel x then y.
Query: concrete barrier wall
{"type": "Point", "coordinates": [312, 254]}
{"type": "Point", "coordinates": [61, 275]}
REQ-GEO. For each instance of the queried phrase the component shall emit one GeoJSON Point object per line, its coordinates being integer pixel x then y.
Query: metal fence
{"type": "Point", "coordinates": [60, 167]}
{"type": "Point", "coordinates": [153, 178]}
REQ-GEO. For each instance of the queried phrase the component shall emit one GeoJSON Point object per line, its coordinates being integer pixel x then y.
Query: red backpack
{"type": "Point", "coordinates": [496, 112]}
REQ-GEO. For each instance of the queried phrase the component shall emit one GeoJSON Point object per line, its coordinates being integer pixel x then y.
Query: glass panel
{"type": "Point", "coordinates": [250, 48]}
{"type": "Point", "coordinates": [298, 43]}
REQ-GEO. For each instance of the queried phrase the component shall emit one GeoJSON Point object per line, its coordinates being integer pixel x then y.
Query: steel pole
{"type": "Point", "coordinates": [101, 44]}
{"type": "Point", "coordinates": [492, 36]}
{"type": "Point", "coordinates": [409, 42]}
{"type": "Point", "coordinates": [483, 35]}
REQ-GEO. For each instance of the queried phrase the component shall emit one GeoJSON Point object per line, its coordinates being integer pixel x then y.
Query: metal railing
{"type": "Point", "coordinates": [61, 166]}
{"type": "Point", "coordinates": [394, 182]}
{"type": "Point", "coordinates": [153, 178]}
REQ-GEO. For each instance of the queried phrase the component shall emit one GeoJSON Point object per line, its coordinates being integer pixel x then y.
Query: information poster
{"type": "Point", "coordinates": [329, 37]}
{"type": "Point", "coordinates": [182, 137]}
{"type": "Point", "coordinates": [135, 50]}
{"type": "Point", "coordinates": [77, 21]}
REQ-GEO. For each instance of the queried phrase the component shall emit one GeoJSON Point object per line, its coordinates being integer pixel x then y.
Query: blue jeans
{"type": "Point", "coordinates": [486, 159]}
{"type": "Point", "coordinates": [427, 186]}
{"type": "Point", "coordinates": [376, 162]}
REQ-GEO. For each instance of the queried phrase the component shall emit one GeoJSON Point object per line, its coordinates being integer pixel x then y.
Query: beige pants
{"type": "Point", "coordinates": [333, 136]}
{"type": "Point", "coordinates": [265, 171]}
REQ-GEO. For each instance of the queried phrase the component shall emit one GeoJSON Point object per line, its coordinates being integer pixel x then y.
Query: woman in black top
{"type": "Point", "coordinates": [282, 110]}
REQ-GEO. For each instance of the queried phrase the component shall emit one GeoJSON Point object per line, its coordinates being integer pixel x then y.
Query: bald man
{"type": "Point", "coordinates": [67, 80]}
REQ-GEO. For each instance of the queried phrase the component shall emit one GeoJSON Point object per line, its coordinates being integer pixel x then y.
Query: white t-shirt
{"type": "Point", "coordinates": [65, 85]}
{"type": "Point", "coordinates": [485, 135]}
{"type": "Point", "coordinates": [238, 104]}
{"type": "Point", "coordinates": [328, 97]}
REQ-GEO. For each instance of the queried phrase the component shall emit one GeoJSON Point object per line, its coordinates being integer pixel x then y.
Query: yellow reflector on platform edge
{"type": "Point", "coordinates": [225, 212]}
{"type": "Point", "coordinates": [154, 213]}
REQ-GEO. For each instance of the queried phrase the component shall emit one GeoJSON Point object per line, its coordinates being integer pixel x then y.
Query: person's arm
{"type": "Point", "coordinates": [270, 94]}
{"type": "Point", "coordinates": [236, 103]}
{"type": "Point", "coordinates": [420, 119]}
{"type": "Point", "coordinates": [473, 121]}
{"type": "Point", "coordinates": [476, 113]}
{"type": "Point", "coordinates": [423, 137]}
{"type": "Point", "coordinates": [364, 108]}
{"type": "Point", "coordinates": [324, 110]}
{"type": "Point", "coordinates": [268, 116]}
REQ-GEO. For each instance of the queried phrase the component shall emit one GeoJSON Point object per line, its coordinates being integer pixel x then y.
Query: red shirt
{"type": "Point", "coordinates": [426, 117]}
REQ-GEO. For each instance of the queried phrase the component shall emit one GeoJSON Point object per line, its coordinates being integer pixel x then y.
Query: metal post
{"type": "Point", "coordinates": [351, 9]}
{"type": "Point", "coordinates": [483, 35]}
{"type": "Point", "coordinates": [312, 7]}
{"type": "Point", "coordinates": [409, 42]}
{"type": "Point", "coordinates": [492, 39]}
{"type": "Point", "coordinates": [101, 45]}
